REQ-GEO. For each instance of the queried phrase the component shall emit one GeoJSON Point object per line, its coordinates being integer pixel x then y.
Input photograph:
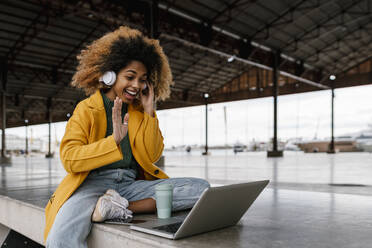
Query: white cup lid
{"type": "Point", "coordinates": [164, 186]}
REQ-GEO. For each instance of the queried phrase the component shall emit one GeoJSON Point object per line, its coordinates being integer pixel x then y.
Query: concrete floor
{"type": "Point", "coordinates": [337, 173]}
{"type": "Point", "coordinates": [313, 200]}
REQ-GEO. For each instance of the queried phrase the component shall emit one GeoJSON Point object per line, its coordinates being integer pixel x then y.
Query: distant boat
{"type": "Point", "coordinates": [363, 139]}
{"type": "Point", "coordinates": [291, 147]}
{"type": "Point", "coordinates": [364, 142]}
{"type": "Point", "coordinates": [366, 147]}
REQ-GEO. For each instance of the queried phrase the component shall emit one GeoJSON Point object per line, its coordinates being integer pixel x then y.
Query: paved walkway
{"type": "Point", "coordinates": [349, 173]}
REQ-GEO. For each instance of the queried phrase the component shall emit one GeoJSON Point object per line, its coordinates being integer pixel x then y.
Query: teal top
{"type": "Point", "coordinates": [128, 160]}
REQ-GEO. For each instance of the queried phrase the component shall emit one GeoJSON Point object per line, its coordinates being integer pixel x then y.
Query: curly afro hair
{"type": "Point", "coordinates": [114, 51]}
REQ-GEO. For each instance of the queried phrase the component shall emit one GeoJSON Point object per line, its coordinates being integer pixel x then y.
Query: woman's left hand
{"type": "Point", "coordinates": [148, 100]}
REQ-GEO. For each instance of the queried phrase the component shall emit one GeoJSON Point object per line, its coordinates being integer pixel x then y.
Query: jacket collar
{"type": "Point", "coordinates": [96, 101]}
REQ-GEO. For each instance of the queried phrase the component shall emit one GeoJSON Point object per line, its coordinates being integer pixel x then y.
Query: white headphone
{"type": "Point", "coordinates": [108, 78]}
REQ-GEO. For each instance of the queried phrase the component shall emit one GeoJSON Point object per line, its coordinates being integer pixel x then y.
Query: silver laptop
{"type": "Point", "coordinates": [218, 207]}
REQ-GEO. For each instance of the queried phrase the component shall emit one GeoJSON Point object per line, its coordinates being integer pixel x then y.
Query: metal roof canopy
{"type": "Point", "coordinates": [39, 41]}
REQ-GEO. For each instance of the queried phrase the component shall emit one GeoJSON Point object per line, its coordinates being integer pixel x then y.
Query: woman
{"type": "Point", "coordinates": [113, 139]}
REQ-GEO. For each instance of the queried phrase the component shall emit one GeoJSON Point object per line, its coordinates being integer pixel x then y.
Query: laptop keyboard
{"type": "Point", "coordinates": [172, 228]}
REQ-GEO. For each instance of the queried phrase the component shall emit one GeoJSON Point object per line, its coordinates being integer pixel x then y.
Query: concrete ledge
{"type": "Point", "coordinates": [22, 217]}
{"type": "Point", "coordinates": [4, 231]}
{"type": "Point", "coordinates": [28, 220]}
{"type": "Point", "coordinates": [109, 236]}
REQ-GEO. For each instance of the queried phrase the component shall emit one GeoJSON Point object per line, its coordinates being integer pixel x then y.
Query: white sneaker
{"type": "Point", "coordinates": [110, 206]}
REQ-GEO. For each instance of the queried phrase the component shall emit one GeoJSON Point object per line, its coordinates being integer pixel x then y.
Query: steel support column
{"type": "Point", "coordinates": [276, 62]}
{"type": "Point", "coordinates": [3, 113]}
{"type": "Point", "coordinates": [49, 106]}
{"type": "Point", "coordinates": [152, 19]}
{"type": "Point", "coordinates": [26, 149]}
{"type": "Point", "coordinates": [49, 137]}
{"type": "Point", "coordinates": [206, 129]}
{"type": "Point", "coordinates": [4, 81]}
{"type": "Point", "coordinates": [331, 148]}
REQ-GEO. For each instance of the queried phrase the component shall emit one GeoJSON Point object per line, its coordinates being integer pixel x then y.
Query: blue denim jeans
{"type": "Point", "coordinates": [72, 224]}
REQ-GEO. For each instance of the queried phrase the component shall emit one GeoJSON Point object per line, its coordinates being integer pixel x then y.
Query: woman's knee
{"type": "Point", "coordinates": [197, 186]}
{"type": "Point", "coordinates": [202, 184]}
{"type": "Point", "coordinates": [72, 223]}
{"type": "Point", "coordinates": [187, 192]}
{"type": "Point", "coordinates": [73, 236]}
{"type": "Point", "coordinates": [56, 240]}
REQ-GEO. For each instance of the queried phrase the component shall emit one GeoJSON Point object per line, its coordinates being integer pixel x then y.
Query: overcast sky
{"type": "Point", "coordinates": [302, 115]}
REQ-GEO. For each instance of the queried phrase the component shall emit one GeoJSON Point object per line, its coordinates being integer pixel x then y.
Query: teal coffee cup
{"type": "Point", "coordinates": [164, 197]}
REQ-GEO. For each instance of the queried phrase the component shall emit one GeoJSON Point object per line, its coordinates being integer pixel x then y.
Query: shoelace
{"type": "Point", "coordinates": [117, 203]}
{"type": "Point", "coordinates": [115, 196]}
{"type": "Point", "coordinates": [113, 213]}
{"type": "Point", "coordinates": [120, 201]}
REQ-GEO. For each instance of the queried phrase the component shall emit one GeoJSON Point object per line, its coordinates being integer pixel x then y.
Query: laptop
{"type": "Point", "coordinates": [217, 207]}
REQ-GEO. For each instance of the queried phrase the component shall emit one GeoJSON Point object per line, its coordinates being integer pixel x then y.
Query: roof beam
{"type": "Point", "coordinates": [244, 61]}
{"type": "Point", "coordinates": [229, 7]}
{"type": "Point", "coordinates": [194, 17]}
{"type": "Point", "coordinates": [22, 40]}
{"type": "Point", "coordinates": [320, 24]}
{"type": "Point", "coordinates": [337, 39]}
{"type": "Point", "coordinates": [74, 49]}
{"type": "Point", "coordinates": [267, 26]}
{"type": "Point", "coordinates": [367, 46]}
{"type": "Point", "coordinates": [369, 59]}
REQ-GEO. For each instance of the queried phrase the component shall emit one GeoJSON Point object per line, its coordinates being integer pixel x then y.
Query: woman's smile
{"type": "Point", "coordinates": [130, 94]}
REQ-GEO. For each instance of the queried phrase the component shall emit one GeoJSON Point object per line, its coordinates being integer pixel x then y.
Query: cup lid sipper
{"type": "Point", "coordinates": [164, 186]}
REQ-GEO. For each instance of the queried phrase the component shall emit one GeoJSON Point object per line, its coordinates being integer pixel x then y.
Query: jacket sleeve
{"type": "Point", "coordinates": [77, 155]}
{"type": "Point", "coordinates": [153, 139]}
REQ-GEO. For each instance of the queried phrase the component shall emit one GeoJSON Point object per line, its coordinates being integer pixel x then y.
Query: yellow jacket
{"type": "Point", "coordinates": [84, 148]}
